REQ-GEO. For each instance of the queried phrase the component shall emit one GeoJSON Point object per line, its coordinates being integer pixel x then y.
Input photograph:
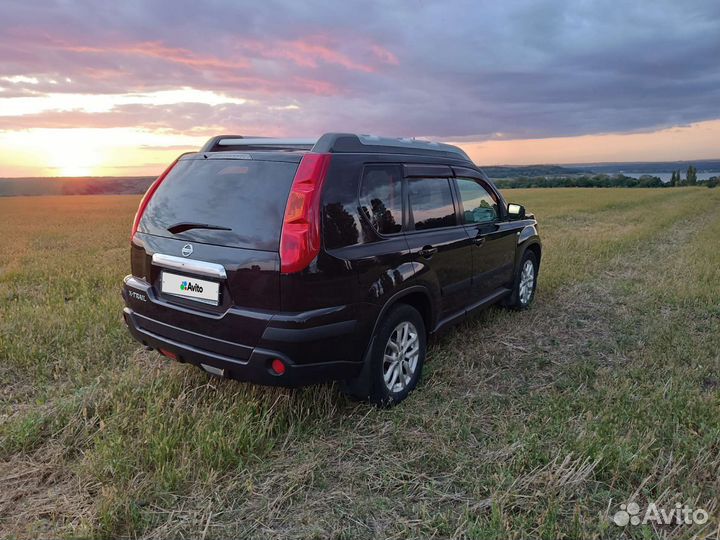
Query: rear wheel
{"type": "Point", "coordinates": [396, 357]}
{"type": "Point", "coordinates": [525, 282]}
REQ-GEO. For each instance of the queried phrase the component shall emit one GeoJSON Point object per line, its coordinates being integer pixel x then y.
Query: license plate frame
{"type": "Point", "coordinates": [191, 288]}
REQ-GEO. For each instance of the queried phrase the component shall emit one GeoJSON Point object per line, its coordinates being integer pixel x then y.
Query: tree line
{"type": "Point", "coordinates": [606, 180]}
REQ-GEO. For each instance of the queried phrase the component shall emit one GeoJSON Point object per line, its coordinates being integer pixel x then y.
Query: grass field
{"type": "Point", "coordinates": [538, 423]}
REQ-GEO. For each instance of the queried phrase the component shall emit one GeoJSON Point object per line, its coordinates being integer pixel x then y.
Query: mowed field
{"type": "Point", "coordinates": [531, 424]}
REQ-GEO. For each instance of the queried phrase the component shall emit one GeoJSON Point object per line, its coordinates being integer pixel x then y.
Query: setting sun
{"type": "Point", "coordinates": [74, 156]}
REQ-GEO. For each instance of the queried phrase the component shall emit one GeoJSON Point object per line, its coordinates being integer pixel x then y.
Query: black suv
{"type": "Point", "coordinates": [290, 262]}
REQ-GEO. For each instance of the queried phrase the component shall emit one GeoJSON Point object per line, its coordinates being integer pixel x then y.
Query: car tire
{"type": "Point", "coordinates": [395, 358]}
{"type": "Point", "coordinates": [523, 292]}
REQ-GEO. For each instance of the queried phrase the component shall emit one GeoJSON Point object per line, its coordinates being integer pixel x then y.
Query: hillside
{"type": "Point", "coordinates": [110, 185]}
{"type": "Point", "coordinates": [510, 171]}
{"type": "Point", "coordinates": [701, 165]}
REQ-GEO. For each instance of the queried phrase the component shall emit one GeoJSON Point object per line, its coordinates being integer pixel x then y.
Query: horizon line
{"type": "Point", "coordinates": [508, 165]}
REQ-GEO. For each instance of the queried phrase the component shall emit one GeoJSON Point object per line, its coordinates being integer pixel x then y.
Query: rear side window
{"type": "Point", "coordinates": [431, 203]}
{"type": "Point", "coordinates": [478, 205]}
{"type": "Point", "coordinates": [381, 198]}
{"type": "Point", "coordinates": [241, 202]}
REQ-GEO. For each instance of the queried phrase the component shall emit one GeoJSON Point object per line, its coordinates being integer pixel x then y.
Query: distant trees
{"type": "Point", "coordinates": [647, 180]}
{"type": "Point", "coordinates": [606, 180]}
{"type": "Point", "coordinates": [690, 177]}
{"type": "Point", "coordinates": [595, 180]}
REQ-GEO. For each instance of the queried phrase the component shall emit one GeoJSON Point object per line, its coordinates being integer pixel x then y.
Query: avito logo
{"type": "Point", "coordinates": [188, 286]}
{"type": "Point", "coordinates": [631, 514]}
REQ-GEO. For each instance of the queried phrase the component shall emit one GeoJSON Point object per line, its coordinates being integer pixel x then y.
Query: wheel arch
{"type": "Point", "coordinates": [528, 239]}
{"type": "Point", "coordinates": [415, 296]}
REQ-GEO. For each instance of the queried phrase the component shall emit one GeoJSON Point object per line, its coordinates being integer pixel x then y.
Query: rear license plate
{"type": "Point", "coordinates": [200, 290]}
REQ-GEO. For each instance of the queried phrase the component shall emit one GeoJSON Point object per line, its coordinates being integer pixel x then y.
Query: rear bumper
{"type": "Point", "coordinates": [313, 349]}
{"type": "Point", "coordinates": [255, 369]}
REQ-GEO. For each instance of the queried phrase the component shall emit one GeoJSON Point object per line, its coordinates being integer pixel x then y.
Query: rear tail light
{"type": "Point", "coordinates": [300, 241]}
{"type": "Point", "coordinates": [146, 198]}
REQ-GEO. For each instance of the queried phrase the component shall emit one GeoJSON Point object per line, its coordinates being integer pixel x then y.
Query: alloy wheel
{"type": "Point", "coordinates": [401, 356]}
{"type": "Point", "coordinates": [527, 282]}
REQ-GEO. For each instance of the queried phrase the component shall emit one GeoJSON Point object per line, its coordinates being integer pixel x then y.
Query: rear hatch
{"type": "Point", "coordinates": [226, 210]}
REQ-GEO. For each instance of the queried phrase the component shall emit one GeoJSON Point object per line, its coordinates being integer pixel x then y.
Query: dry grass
{"type": "Point", "coordinates": [527, 424]}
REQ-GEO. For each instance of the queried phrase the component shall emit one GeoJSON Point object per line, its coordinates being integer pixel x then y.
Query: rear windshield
{"type": "Point", "coordinates": [239, 203]}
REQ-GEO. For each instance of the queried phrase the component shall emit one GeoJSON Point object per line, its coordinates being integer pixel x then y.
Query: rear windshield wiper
{"type": "Point", "coordinates": [185, 226]}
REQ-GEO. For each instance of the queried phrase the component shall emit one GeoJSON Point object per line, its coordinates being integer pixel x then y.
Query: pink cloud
{"type": "Point", "coordinates": [384, 55]}
{"type": "Point", "coordinates": [313, 64]}
{"type": "Point", "coordinates": [312, 70]}
{"type": "Point", "coordinates": [155, 49]}
{"type": "Point", "coordinates": [307, 54]}
{"type": "Point", "coordinates": [311, 52]}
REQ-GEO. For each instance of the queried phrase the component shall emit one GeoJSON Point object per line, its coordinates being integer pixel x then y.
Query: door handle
{"type": "Point", "coordinates": [479, 240]}
{"type": "Point", "coordinates": [428, 251]}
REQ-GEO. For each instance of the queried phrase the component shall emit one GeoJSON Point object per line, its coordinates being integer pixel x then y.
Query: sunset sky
{"type": "Point", "coordinates": [101, 88]}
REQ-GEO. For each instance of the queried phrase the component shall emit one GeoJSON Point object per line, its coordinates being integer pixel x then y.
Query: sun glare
{"type": "Point", "coordinates": [91, 152]}
{"type": "Point", "coordinates": [75, 170]}
{"type": "Point", "coordinates": [75, 155]}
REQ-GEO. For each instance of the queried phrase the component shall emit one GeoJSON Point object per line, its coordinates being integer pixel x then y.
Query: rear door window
{"type": "Point", "coordinates": [381, 198]}
{"type": "Point", "coordinates": [241, 202]}
{"type": "Point", "coordinates": [431, 203]}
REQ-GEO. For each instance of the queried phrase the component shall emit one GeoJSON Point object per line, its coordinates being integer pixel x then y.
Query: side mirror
{"type": "Point", "coordinates": [516, 211]}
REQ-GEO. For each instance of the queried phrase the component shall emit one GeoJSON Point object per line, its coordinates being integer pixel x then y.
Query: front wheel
{"type": "Point", "coordinates": [525, 283]}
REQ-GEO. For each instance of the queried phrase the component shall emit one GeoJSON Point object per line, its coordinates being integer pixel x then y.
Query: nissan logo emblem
{"type": "Point", "coordinates": [187, 250]}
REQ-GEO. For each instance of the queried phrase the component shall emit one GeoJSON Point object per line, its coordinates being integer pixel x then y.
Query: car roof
{"type": "Point", "coordinates": [336, 143]}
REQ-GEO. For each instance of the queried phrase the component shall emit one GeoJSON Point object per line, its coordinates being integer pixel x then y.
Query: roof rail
{"type": "Point", "coordinates": [239, 142]}
{"type": "Point", "coordinates": [337, 143]}
{"type": "Point", "coordinates": [352, 143]}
